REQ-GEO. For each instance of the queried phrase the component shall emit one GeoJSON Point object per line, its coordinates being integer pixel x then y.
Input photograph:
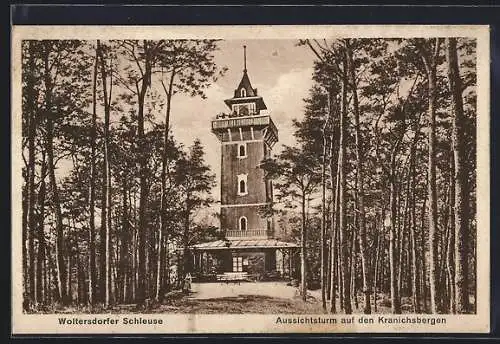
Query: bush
{"type": "Point", "coordinates": [271, 276]}
{"type": "Point", "coordinates": [314, 284]}
{"type": "Point", "coordinates": [385, 302]}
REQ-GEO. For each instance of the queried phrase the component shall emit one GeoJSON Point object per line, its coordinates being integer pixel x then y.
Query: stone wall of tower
{"type": "Point", "coordinates": [233, 205]}
{"type": "Point", "coordinates": [232, 166]}
{"type": "Point", "coordinates": [231, 215]}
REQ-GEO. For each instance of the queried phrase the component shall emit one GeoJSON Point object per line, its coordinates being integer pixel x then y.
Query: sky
{"type": "Point", "coordinates": [280, 70]}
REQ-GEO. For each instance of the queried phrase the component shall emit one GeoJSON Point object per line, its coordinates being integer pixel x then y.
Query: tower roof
{"type": "Point", "coordinates": [245, 92]}
{"type": "Point", "coordinates": [248, 95]}
{"type": "Point", "coordinates": [245, 84]}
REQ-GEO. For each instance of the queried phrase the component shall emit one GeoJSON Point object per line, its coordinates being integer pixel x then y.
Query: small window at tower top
{"type": "Point", "coordinates": [243, 187]}
{"type": "Point", "coordinates": [243, 92]}
{"type": "Point", "coordinates": [242, 150]}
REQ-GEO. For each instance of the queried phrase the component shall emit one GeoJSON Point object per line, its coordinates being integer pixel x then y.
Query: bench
{"type": "Point", "coordinates": [232, 277]}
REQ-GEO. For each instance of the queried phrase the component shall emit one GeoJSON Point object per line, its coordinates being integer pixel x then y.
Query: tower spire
{"type": "Point", "coordinates": [245, 58]}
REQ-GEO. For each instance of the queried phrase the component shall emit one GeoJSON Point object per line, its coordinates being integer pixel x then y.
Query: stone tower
{"type": "Point", "coordinates": [247, 135]}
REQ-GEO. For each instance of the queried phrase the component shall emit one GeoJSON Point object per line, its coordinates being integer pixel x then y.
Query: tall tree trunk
{"type": "Point", "coordinates": [142, 294]}
{"type": "Point", "coordinates": [461, 195]}
{"type": "Point", "coordinates": [92, 231]}
{"type": "Point", "coordinates": [69, 281]}
{"type": "Point", "coordinates": [60, 262]}
{"type": "Point", "coordinates": [430, 61]}
{"type": "Point", "coordinates": [125, 240]}
{"type": "Point", "coordinates": [303, 248]}
{"type": "Point", "coordinates": [183, 266]}
{"type": "Point", "coordinates": [450, 249]}
{"type": "Point", "coordinates": [164, 170]}
{"type": "Point", "coordinates": [339, 264]}
{"type": "Point", "coordinates": [106, 247]}
{"type": "Point", "coordinates": [323, 214]}
{"type": "Point", "coordinates": [335, 180]}
{"type": "Point", "coordinates": [393, 250]}
{"type": "Point", "coordinates": [413, 226]}
{"type": "Point", "coordinates": [31, 218]}
{"type": "Point", "coordinates": [365, 262]}
{"type": "Point", "coordinates": [353, 267]}
{"type": "Point", "coordinates": [378, 238]}
{"type": "Point", "coordinates": [422, 255]}
{"type": "Point", "coordinates": [402, 226]}
{"type": "Point", "coordinates": [41, 234]}
{"type": "Point", "coordinates": [344, 242]}
{"type": "Point", "coordinates": [432, 195]}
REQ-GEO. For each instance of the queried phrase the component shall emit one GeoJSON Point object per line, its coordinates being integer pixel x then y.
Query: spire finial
{"type": "Point", "coordinates": [245, 58]}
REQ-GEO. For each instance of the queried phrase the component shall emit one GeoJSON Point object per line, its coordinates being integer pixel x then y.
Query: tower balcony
{"type": "Point", "coordinates": [224, 124]}
{"type": "Point", "coordinates": [249, 234]}
{"type": "Point", "coordinates": [224, 121]}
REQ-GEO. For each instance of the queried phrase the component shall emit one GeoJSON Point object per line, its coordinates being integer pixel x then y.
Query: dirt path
{"type": "Point", "coordinates": [203, 291]}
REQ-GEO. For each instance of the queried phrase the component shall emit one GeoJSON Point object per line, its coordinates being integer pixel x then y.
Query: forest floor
{"type": "Point", "coordinates": [233, 298]}
{"type": "Point", "coordinates": [237, 298]}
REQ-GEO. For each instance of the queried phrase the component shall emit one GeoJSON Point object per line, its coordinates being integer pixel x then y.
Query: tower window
{"type": "Point", "coordinates": [244, 109]}
{"type": "Point", "coordinates": [243, 92]}
{"type": "Point", "coordinates": [242, 150]}
{"type": "Point", "coordinates": [243, 223]}
{"type": "Point", "coordinates": [242, 184]}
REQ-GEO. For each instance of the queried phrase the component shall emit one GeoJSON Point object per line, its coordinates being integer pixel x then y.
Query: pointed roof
{"type": "Point", "coordinates": [245, 83]}
{"type": "Point", "coordinates": [250, 93]}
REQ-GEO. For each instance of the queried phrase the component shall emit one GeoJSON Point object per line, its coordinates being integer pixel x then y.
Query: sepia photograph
{"type": "Point", "coordinates": [325, 177]}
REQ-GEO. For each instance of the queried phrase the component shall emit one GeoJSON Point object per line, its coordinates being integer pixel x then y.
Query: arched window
{"type": "Point", "coordinates": [242, 150]}
{"type": "Point", "coordinates": [243, 223]}
{"type": "Point", "coordinates": [243, 92]}
{"type": "Point", "coordinates": [242, 185]}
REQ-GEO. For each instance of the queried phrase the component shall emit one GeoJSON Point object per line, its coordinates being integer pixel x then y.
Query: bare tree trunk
{"type": "Point", "coordinates": [92, 230]}
{"type": "Point", "coordinates": [303, 248]}
{"type": "Point", "coordinates": [402, 225]}
{"type": "Point", "coordinates": [413, 224]}
{"type": "Point", "coordinates": [142, 292]}
{"type": "Point", "coordinates": [323, 215]}
{"type": "Point", "coordinates": [60, 263]}
{"type": "Point", "coordinates": [393, 251]}
{"type": "Point", "coordinates": [125, 240]}
{"type": "Point", "coordinates": [31, 219]}
{"type": "Point", "coordinates": [353, 269]}
{"type": "Point", "coordinates": [164, 170]}
{"type": "Point", "coordinates": [432, 196]}
{"type": "Point", "coordinates": [340, 275]}
{"type": "Point", "coordinates": [450, 259]}
{"type": "Point", "coordinates": [423, 259]}
{"type": "Point", "coordinates": [134, 252]}
{"type": "Point", "coordinates": [334, 179]}
{"type": "Point", "coordinates": [106, 183]}
{"type": "Point", "coordinates": [430, 61]}
{"type": "Point", "coordinates": [41, 234]}
{"type": "Point", "coordinates": [377, 260]}
{"type": "Point", "coordinates": [461, 195]}
{"type": "Point", "coordinates": [69, 280]}
{"type": "Point", "coordinates": [365, 262]}
{"type": "Point", "coordinates": [344, 242]}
